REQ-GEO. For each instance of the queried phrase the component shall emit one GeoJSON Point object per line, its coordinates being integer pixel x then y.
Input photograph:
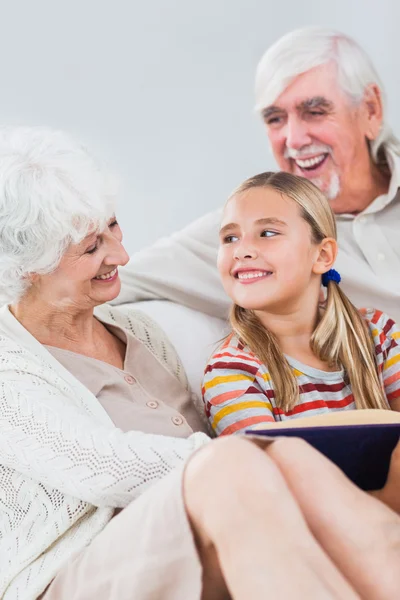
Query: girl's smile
{"type": "Point", "coordinates": [247, 275]}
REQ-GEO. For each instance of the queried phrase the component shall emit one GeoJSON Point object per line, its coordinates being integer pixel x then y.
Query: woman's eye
{"type": "Point", "coordinates": [91, 250]}
{"type": "Point", "coordinates": [268, 233]}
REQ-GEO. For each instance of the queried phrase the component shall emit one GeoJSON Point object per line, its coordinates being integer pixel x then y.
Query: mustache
{"type": "Point", "coordinates": [307, 150]}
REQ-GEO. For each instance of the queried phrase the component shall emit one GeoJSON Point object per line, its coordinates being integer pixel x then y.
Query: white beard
{"type": "Point", "coordinates": [333, 188]}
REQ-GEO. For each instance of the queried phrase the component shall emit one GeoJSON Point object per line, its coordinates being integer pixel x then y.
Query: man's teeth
{"type": "Point", "coordinates": [107, 275]}
{"type": "Point", "coordinates": [310, 162]}
{"type": "Point", "coordinates": [252, 274]}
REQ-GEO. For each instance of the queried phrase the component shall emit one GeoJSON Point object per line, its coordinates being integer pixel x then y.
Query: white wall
{"type": "Point", "coordinates": [163, 89]}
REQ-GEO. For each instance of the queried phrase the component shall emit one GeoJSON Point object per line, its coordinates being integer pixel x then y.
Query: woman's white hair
{"type": "Point", "coordinates": [52, 193]}
{"type": "Point", "coordinates": [302, 50]}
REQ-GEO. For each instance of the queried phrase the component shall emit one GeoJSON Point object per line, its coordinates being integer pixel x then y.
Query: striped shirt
{"type": "Point", "coordinates": [238, 391]}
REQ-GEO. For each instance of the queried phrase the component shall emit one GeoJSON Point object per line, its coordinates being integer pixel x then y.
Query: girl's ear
{"type": "Point", "coordinates": [326, 256]}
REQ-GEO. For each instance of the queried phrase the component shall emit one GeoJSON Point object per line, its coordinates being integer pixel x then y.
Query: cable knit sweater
{"type": "Point", "coordinates": [64, 466]}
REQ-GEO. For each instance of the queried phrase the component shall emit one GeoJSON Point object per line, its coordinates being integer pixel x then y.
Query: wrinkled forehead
{"type": "Point", "coordinates": [320, 82]}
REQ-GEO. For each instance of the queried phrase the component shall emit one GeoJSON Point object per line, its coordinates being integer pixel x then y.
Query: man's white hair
{"type": "Point", "coordinates": [303, 49]}
{"type": "Point", "coordinates": [52, 193]}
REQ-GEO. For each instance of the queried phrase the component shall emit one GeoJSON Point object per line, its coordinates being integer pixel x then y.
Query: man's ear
{"type": "Point", "coordinates": [373, 111]}
{"type": "Point", "coordinates": [327, 252]}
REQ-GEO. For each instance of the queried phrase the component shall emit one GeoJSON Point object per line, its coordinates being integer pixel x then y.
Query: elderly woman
{"type": "Point", "coordinates": [96, 424]}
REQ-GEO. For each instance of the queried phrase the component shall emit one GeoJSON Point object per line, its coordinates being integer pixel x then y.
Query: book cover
{"type": "Point", "coordinates": [362, 452]}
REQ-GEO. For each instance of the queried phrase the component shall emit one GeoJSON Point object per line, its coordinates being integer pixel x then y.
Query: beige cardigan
{"type": "Point", "coordinates": [64, 466]}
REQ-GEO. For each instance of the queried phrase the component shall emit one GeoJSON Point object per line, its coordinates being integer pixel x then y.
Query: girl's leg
{"type": "Point", "coordinates": [250, 531]}
{"type": "Point", "coordinates": [359, 533]}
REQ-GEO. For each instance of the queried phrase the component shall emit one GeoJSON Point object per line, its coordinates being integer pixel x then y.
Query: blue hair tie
{"type": "Point", "coordinates": [330, 275]}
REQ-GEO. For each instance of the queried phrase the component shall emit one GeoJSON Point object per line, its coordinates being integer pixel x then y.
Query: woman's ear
{"type": "Point", "coordinates": [326, 256]}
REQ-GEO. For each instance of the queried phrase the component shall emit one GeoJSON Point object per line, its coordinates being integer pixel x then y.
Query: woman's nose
{"type": "Point", "coordinates": [117, 255]}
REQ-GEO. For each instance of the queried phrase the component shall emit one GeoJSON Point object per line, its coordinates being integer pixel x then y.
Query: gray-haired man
{"type": "Point", "coordinates": [323, 106]}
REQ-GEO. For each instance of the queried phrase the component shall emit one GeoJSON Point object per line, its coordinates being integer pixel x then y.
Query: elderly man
{"type": "Point", "coordinates": [323, 107]}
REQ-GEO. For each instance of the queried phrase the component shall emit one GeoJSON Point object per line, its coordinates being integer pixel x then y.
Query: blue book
{"type": "Point", "coordinates": [362, 452]}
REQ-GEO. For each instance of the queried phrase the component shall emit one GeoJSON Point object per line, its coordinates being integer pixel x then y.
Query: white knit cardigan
{"type": "Point", "coordinates": [64, 466]}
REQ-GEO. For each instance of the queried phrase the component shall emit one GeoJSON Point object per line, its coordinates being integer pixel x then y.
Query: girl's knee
{"type": "Point", "coordinates": [292, 448]}
{"type": "Point", "coordinates": [231, 467]}
{"type": "Point", "coordinates": [224, 458]}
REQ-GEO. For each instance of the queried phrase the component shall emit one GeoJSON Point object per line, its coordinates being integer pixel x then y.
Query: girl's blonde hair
{"type": "Point", "coordinates": [341, 338]}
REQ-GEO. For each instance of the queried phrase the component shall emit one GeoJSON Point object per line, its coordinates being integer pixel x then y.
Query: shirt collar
{"type": "Point", "coordinates": [383, 200]}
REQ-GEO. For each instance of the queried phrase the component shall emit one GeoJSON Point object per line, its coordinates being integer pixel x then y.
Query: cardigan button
{"type": "Point", "coordinates": [177, 420]}
{"type": "Point", "coordinates": [129, 379]}
{"type": "Point", "coordinates": [152, 404]}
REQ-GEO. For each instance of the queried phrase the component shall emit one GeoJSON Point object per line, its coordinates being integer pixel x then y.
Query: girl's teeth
{"type": "Point", "coordinates": [310, 162]}
{"type": "Point", "coordinates": [252, 275]}
{"type": "Point", "coordinates": [107, 275]}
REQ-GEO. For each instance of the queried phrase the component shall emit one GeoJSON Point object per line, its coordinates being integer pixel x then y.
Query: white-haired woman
{"type": "Point", "coordinates": [96, 423]}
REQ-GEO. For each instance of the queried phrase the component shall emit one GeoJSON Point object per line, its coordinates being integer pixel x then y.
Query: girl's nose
{"type": "Point", "coordinates": [245, 252]}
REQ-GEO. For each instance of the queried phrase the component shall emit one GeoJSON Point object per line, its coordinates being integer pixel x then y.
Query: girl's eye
{"type": "Point", "coordinates": [229, 239]}
{"type": "Point", "coordinates": [268, 233]}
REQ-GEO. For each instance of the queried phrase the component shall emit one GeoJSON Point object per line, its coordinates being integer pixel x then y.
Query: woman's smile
{"type": "Point", "coordinates": [108, 277]}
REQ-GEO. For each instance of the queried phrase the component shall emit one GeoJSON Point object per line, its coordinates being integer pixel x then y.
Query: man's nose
{"type": "Point", "coordinates": [297, 134]}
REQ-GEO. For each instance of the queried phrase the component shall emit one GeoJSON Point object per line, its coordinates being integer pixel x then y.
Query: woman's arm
{"type": "Point", "coordinates": [46, 437]}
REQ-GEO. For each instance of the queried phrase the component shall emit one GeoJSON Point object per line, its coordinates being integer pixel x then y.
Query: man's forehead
{"type": "Point", "coordinates": [306, 103]}
{"type": "Point", "coordinates": [318, 82]}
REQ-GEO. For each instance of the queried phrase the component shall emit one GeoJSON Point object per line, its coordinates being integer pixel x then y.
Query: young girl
{"type": "Point", "coordinates": [289, 356]}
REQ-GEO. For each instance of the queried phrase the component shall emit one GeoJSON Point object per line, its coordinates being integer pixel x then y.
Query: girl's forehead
{"type": "Point", "coordinates": [260, 203]}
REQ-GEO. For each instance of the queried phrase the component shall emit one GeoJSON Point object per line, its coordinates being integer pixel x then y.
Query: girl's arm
{"type": "Point", "coordinates": [395, 405]}
{"type": "Point", "coordinates": [386, 335]}
{"type": "Point", "coordinates": [390, 493]}
{"type": "Point", "coordinates": [234, 400]}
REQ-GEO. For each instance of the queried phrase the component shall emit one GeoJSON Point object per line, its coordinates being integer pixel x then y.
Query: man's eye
{"type": "Point", "coordinates": [228, 239]}
{"type": "Point", "coordinates": [274, 120]}
{"type": "Point", "coordinates": [316, 113]}
{"type": "Point", "coordinates": [268, 233]}
{"type": "Point", "coordinates": [113, 224]}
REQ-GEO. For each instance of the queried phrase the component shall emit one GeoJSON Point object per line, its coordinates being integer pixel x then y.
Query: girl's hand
{"type": "Point", "coordinates": [390, 493]}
